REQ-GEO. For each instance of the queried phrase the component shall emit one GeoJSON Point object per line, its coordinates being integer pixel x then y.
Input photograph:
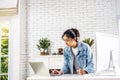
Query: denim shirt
{"type": "Point", "coordinates": [84, 59]}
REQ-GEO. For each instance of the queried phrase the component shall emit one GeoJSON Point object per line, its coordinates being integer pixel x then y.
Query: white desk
{"type": "Point", "coordinates": [75, 77]}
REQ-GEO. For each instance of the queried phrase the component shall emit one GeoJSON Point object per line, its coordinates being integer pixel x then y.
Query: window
{"type": "Point", "coordinates": [4, 34]}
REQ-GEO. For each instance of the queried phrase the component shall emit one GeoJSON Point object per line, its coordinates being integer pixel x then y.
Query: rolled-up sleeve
{"type": "Point", "coordinates": [65, 68]}
{"type": "Point", "coordinates": [90, 65]}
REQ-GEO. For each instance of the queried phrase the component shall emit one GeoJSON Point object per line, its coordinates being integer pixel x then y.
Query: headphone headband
{"type": "Point", "coordinates": [73, 32]}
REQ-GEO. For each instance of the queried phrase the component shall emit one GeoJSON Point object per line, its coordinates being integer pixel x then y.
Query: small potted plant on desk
{"type": "Point", "coordinates": [43, 46]}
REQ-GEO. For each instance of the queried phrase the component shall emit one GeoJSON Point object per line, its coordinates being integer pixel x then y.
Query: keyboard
{"type": "Point", "coordinates": [106, 73]}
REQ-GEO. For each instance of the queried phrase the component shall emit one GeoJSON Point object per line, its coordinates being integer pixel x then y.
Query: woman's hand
{"type": "Point", "coordinates": [54, 71]}
{"type": "Point", "coordinates": [81, 71]}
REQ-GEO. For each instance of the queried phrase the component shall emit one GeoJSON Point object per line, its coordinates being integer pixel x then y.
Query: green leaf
{"type": "Point", "coordinates": [89, 41]}
{"type": "Point", "coordinates": [44, 43]}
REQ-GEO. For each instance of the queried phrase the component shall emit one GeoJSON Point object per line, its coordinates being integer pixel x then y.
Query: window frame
{"type": "Point", "coordinates": [13, 47]}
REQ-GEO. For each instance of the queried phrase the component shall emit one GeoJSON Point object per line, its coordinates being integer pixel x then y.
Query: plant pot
{"type": "Point", "coordinates": [43, 53]}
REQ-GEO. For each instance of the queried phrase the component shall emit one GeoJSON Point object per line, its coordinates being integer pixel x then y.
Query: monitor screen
{"type": "Point", "coordinates": [105, 43]}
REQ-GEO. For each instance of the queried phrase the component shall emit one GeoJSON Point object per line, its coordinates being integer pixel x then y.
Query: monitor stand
{"type": "Point", "coordinates": [115, 61]}
{"type": "Point", "coordinates": [111, 66]}
{"type": "Point", "coordinates": [110, 71]}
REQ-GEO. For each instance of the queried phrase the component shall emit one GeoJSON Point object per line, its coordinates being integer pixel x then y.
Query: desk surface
{"type": "Point", "coordinates": [74, 77]}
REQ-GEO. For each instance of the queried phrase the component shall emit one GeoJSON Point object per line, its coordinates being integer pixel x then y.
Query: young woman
{"type": "Point", "coordinates": [78, 58]}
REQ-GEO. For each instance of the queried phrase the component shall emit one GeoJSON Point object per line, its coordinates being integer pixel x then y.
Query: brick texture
{"type": "Point", "coordinates": [50, 18]}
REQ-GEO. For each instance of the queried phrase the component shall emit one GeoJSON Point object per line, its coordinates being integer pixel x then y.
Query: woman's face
{"type": "Point", "coordinates": [69, 41]}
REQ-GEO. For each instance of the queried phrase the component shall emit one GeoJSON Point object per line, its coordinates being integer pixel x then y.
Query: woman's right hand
{"type": "Point", "coordinates": [54, 71]}
{"type": "Point", "coordinates": [81, 71]}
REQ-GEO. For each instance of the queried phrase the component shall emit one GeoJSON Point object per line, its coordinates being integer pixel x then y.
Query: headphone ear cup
{"type": "Point", "coordinates": [76, 38]}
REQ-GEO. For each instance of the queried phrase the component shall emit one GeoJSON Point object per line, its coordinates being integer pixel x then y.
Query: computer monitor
{"type": "Point", "coordinates": [105, 45]}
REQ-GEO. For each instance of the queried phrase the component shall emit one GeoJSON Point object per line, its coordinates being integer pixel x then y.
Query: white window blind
{"type": "Point", "coordinates": [8, 7]}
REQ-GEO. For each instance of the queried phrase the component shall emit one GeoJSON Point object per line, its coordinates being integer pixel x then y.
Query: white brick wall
{"type": "Point", "coordinates": [50, 18]}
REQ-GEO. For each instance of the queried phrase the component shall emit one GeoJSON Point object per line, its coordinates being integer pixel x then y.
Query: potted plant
{"type": "Point", "coordinates": [43, 46]}
{"type": "Point", "coordinates": [89, 41]}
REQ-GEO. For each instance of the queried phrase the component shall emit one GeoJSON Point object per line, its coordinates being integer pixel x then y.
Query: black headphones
{"type": "Point", "coordinates": [75, 35]}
